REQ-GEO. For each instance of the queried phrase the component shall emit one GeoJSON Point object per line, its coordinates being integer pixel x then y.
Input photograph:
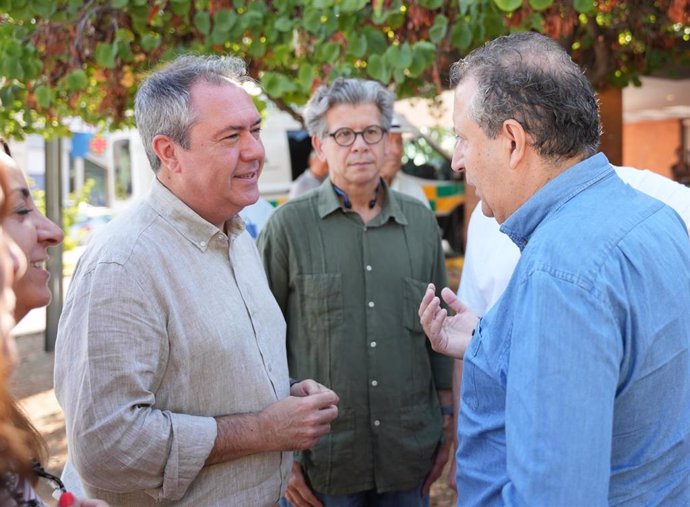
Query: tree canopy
{"type": "Point", "coordinates": [74, 58]}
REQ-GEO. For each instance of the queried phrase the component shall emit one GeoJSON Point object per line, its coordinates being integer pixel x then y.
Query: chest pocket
{"type": "Point", "coordinates": [413, 293]}
{"type": "Point", "coordinates": [320, 303]}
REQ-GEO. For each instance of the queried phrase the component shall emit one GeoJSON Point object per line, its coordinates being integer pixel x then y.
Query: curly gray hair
{"type": "Point", "coordinates": [347, 91]}
{"type": "Point", "coordinates": [530, 78]}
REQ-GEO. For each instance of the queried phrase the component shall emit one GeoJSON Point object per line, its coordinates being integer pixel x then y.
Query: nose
{"type": "Point", "coordinates": [253, 148]}
{"type": "Point", "coordinates": [49, 232]}
{"type": "Point", "coordinates": [359, 144]}
{"type": "Point", "coordinates": [458, 161]}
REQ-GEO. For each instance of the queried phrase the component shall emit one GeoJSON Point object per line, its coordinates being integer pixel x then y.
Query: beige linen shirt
{"type": "Point", "coordinates": [169, 322]}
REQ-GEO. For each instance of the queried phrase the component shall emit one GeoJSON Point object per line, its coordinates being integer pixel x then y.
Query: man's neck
{"type": "Point", "coordinates": [364, 200]}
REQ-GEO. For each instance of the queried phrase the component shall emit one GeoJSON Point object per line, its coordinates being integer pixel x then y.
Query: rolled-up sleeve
{"type": "Point", "coordinates": [112, 354]}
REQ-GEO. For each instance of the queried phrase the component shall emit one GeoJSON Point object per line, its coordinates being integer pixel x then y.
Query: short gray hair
{"type": "Point", "coordinates": [530, 78]}
{"type": "Point", "coordinates": [347, 91]}
{"type": "Point", "coordinates": [162, 106]}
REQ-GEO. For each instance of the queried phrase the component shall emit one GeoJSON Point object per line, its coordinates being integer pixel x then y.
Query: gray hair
{"type": "Point", "coordinates": [162, 107]}
{"type": "Point", "coordinates": [530, 78]}
{"type": "Point", "coordinates": [347, 91]}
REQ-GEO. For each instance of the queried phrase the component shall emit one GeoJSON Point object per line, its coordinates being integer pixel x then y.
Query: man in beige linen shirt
{"type": "Point", "coordinates": [170, 357]}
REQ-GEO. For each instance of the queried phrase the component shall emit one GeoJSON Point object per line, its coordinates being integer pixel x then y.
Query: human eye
{"type": "Point", "coordinates": [23, 211]}
{"type": "Point", "coordinates": [344, 135]}
{"type": "Point", "coordinates": [232, 136]}
{"type": "Point", "coordinates": [256, 131]}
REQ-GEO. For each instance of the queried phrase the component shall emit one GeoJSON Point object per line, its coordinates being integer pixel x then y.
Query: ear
{"type": "Point", "coordinates": [516, 135]}
{"type": "Point", "coordinates": [316, 144]}
{"type": "Point", "coordinates": [166, 150]}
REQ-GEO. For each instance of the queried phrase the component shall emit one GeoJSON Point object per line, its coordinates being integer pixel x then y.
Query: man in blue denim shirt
{"type": "Point", "coordinates": [576, 384]}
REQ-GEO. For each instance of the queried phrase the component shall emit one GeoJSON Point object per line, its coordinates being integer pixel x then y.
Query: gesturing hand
{"type": "Point", "coordinates": [448, 335]}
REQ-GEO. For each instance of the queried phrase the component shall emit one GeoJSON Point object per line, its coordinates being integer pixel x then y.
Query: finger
{"type": "Point", "coordinates": [427, 314]}
{"type": "Point", "coordinates": [427, 298]}
{"type": "Point", "coordinates": [310, 386]}
{"type": "Point", "coordinates": [451, 299]}
{"type": "Point", "coordinates": [326, 415]}
{"type": "Point", "coordinates": [303, 493]}
{"type": "Point", "coordinates": [323, 399]}
{"type": "Point", "coordinates": [426, 487]}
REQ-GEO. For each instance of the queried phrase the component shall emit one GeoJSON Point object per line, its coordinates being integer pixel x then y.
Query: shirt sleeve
{"type": "Point", "coordinates": [561, 384]}
{"type": "Point", "coordinates": [111, 355]}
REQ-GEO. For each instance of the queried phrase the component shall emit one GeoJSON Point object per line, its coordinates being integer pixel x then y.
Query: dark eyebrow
{"type": "Point", "coordinates": [231, 128]}
{"type": "Point", "coordinates": [23, 191]}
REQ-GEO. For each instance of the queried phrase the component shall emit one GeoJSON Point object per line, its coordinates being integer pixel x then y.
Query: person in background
{"type": "Point", "coordinates": [392, 164]}
{"type": "Point", "coordinates": [347, 264]}
{"type": "Point", "coordinates": [23, 448]}
{"type": "Point", "coordinates": [576, 384]}
{"type": "Point", "coordinates": [170, 361]}
{"type": "Point", "coordinates": [311, 178]}
{"type": "Point", "coordinates": [256, 215]}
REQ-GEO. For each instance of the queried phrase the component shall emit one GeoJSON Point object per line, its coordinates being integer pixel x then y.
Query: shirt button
{"type": "Point", "coordinates": [368, 268]}
{"type": "Point", "coordinates": [202, 244]}
{"type": "Point", "coordinates": [374, 383]}
{"type": "Point", "coordinates": [372, 345]}
{"type": "Point", "coordinates": [377, 423]}
{"type": "Point", "coordinates": [371, 304]}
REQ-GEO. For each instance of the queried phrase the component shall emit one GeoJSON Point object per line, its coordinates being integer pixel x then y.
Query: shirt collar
{"type": "Point", "coordinates": [524, 221]}
{"type": "Point", "coordinates": [327, 203]}
{"type": "Point", "coordinates": [186, 221]}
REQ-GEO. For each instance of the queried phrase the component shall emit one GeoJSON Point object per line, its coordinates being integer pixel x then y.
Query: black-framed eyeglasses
{"type": "Point", "coordinates": [346, 136]}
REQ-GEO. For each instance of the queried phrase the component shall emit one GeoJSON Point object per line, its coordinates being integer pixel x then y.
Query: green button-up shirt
{"type": "Point", "coordinates": [350, 294]}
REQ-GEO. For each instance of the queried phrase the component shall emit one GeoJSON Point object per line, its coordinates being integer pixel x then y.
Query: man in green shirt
{"type": "Point", "coordinates": [348, 264]}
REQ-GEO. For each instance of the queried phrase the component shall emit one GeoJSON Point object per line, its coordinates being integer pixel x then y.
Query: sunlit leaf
{"type": "Point", "coordinates": [508, 5]}
{"type": "Point", "coordinates": [77, 80]}
{"type": "Point", "coordinates": [584, 6]}
{"type": "Point", "coordinates": [43, 96]}
{"type": "Point", "coordinates": [202, 21]}
{"type": "Point", "coordinates": [438, 29]}
{"type": "Point", "coordinates": [461, 36]}
{"type": "Point", "coordinates": [540, 5]}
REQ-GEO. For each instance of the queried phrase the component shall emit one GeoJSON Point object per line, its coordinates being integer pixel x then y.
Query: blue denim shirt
{"type": "Point", "coordinates": [576, 385]}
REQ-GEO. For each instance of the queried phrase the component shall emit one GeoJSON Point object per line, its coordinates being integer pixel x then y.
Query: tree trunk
{"type": "Point", "coordinates": [611, 112]}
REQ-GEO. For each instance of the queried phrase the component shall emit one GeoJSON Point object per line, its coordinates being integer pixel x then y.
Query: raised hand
{"type": "Point", "coordinates": [448, 335]}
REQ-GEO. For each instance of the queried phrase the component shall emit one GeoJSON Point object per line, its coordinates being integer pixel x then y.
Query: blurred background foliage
{"type": "Point", "coordinates": [67, 58]}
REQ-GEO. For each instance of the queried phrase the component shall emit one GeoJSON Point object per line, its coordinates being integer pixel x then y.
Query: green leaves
{"type": "Point", "coordinates": [202, 22]}
{"type": "Point", "coordinates": [76, 80]}
{"type": "Point", "coordinates": [277, 85]}
{"type": "Point", "coordinates": [508, 5]}
{"type": "Point", "coordinates": [105, 55]}
{"type": "Point", "coordinates": [292, 45]}
{"type": "Point", "coordinates": [540, 5]}
{"type": "Point", "coordinates": [584, 6]}
{"type": "Point", "coordinates": [461, 36]}
{"type": "Point", "coordinates": [438, 29]}
{"type": "Point", "coordinates": [43, 96]}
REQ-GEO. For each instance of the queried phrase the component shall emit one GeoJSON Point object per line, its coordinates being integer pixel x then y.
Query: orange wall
{"type": "Point", "coordinates": [651, 145]}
